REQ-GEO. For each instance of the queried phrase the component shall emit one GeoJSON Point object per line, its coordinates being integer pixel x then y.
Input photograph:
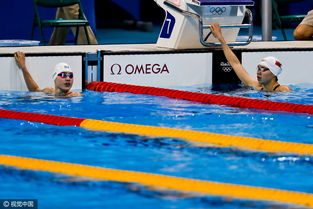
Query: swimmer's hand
{"type": "Point", "coordinates": [217, 32]}
{"type": "Point", "coordinates": [20, 59]}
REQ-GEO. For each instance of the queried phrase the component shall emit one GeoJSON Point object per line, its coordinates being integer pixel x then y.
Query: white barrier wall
{"type": "Point", "coordinates": [150, 66]}
{"type": "Point", "coordinates": [187, 69]}
{"type": "Point", "coordinates": [41, 69]}
{"type": "Point", "coordinates": [159, 70]}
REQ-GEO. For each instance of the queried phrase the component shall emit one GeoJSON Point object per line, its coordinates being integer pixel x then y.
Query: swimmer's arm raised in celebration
{"type": "Point", "coordinates": [30, 83]}
{"type": "Point", "coordinates": [241, 72]}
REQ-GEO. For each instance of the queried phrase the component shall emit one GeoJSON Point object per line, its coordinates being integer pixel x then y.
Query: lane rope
{"type": "Point", "coordinates": [168, 182]}
{"type": "Point", "coordinates": [203, 137]}
{"type": "Point", "coordinates": [244, 143]}
{"type": "Point", "coordinates": [202, 97]}
{"type": "Point", "coordinates": [41, 118]}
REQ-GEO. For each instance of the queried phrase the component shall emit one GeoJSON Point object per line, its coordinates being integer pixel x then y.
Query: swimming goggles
{"type": "Point", "coordinates": [65, 75]}
{"type": "Point", "coordinates": [262, 69]}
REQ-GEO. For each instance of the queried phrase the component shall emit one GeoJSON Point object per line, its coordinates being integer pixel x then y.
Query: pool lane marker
{"type": "Point", "coordinates": [240, 102]}
{"type": "Point", "coordinates": [245, 143]}
{"type": "Point", "coordinates": [168, 182]}
{"type": "Point", "coordinates": [198, 136]}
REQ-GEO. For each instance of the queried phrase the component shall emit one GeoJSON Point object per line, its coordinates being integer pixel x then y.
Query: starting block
{"type": "Point", "coordinates": [187, 22]}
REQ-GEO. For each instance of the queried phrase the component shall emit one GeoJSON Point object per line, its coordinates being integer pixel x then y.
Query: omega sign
{"type": "Point", "coordinates": [130, 69]}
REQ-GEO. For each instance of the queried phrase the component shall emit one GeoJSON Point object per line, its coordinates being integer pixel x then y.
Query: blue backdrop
{"type": "Point", "coordinates": [16, 18]}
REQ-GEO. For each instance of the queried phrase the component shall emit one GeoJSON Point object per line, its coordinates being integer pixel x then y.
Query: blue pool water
{"type": "Point", "coordinates": [154, 155]}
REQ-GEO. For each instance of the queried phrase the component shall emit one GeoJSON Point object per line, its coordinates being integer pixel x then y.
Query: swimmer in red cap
{"type": "Point", "coordinates": [62, 77]}
{"type": "Point", "coordinates": [267, 70]}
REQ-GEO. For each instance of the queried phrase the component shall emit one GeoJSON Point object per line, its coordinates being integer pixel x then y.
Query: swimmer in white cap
{"type": "Point", "coordinates": [267, 70]}
{"type": "Point", "coordinates": [62, 76]}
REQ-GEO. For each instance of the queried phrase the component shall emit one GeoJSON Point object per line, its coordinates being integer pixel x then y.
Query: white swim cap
{"type": "Point", "coordinates": [273, 64]}
{"type": "Point", "coordinates": [59, 68]}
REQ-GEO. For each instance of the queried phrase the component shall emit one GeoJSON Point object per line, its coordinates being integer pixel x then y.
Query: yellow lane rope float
{"type": "Point", "coordinates": [168, 182]}
{"type": "Point", "coordinates": [198, 136]}
{"type": "Point", "coordinates": [245, 143]}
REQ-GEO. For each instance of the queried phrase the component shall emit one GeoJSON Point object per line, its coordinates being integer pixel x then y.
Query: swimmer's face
{"type": "Point", "coordinates": [264, 75]}
{"type": "Point", "coordinates": [64, 81]}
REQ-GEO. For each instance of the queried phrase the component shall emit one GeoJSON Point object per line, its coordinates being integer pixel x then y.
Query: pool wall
{"type": "Point", "coordinates": [149, 65]}
{"type": "Point", "coordinates": [41, 67]}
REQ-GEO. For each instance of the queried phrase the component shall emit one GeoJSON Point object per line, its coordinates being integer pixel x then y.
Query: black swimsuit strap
{"type": "Point", "coordinates": [274, 89]}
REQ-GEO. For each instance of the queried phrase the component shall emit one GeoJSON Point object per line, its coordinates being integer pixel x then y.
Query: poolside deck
{"type": "Point", "coordinates": [272, 45]}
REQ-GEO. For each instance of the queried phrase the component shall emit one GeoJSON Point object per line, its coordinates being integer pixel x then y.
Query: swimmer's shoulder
{"type": "Point", "coordinates": [75, 94]}
{"type": "Point", "coordinates": [48, 90]}
{"type": "Point", "coordinates": [284, 88]}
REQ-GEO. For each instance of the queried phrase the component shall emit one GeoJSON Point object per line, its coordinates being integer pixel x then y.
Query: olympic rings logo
{"type": "Point", "coordinates": [227, 69]}
{"type": "Point", "coordinates": [217, 10]}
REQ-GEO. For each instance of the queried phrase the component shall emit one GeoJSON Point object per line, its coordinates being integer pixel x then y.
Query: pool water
{"type": "Point", "coordinates": [153, 155]}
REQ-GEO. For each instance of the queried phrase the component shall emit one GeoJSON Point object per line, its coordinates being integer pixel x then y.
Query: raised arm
{"type": "Point", "coordinates": [21, 63]}
{"type": "Point", "coordinates": [241, 72]}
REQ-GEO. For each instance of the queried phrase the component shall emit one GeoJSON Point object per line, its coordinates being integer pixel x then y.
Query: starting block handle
{"type": "Point", "coordinates": [230, 26]}
{"type": "Point", "coordinates": [236, 43]}
{"type": "Point", "coordinates": [202, 27]}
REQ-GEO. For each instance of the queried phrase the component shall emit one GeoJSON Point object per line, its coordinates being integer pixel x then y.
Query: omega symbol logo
{"type": "Point", "coordinates": [148, 68]}
{"type": "Point", "coordinates": [217, 10]}
{"type": "Point", "coordinates": [116, 69]}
